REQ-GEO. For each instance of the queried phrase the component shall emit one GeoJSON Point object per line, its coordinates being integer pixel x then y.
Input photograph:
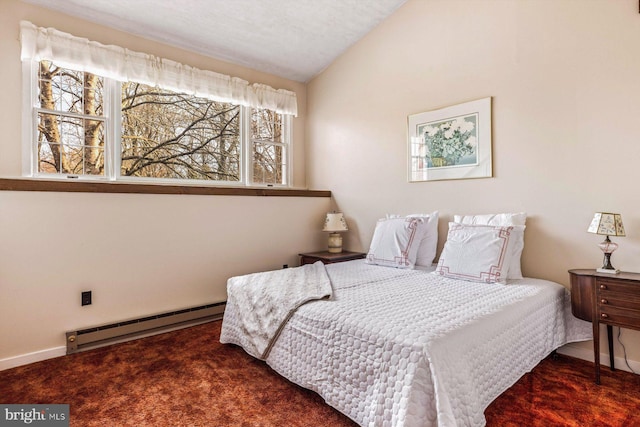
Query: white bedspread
{"type": "Point", "coordinates": [409, 348]}
{"type": "Point", "coordinates": [263, 302]}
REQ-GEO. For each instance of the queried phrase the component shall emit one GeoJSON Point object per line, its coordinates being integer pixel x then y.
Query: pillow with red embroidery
{"type": "Point", "coordinates": [429, 243]}
{"type": "Point", "coordinates": [477, 253]}
{"type": "Point", "coordinates": [396, 241]}
{"type": "Point", "coordinates": [516, 243]}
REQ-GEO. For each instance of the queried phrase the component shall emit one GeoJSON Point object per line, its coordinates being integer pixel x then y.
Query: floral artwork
{"type": "Point", "coordinates": [451, 143]}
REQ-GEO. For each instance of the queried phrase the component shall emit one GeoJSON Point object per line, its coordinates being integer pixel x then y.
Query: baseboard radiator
{"type": "Point", "coordinates": [99, 336]}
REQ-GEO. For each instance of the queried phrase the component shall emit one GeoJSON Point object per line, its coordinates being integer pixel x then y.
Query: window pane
{"type": "Point", "coordinates": [69, 91]}
{"type": "Point", "coordinates": [269, 150]}
{"type": "Point", "coordinates": [70, 145]}
{"type": "Point", "coordinates": [93, 147]}
{"type": "Point", "coordinates": [46, 159]}
{"type": "Point", "coordinates": [266, 125]}
{"type": "Point", "coordinates": [67, 143]}
{"type": "Point", "coordinates": [268, 163]}
{"type": "Point", "coordinates": [171, 135]}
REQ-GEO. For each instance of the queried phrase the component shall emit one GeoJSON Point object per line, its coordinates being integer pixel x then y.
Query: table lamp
{"type": "Point", "coordinates": [607, 224]}
{"type": "Point", "coordinates": [334, 223]}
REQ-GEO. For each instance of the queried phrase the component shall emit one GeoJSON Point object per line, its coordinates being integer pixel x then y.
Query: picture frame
{"type": "Point", "coordinates": [451, 143]}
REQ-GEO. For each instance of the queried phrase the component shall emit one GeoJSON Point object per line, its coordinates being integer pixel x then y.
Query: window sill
{"type": "Point", "coordinates": [9, 184]}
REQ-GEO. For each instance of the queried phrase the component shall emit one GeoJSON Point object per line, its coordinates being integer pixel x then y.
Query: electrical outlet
{"type": "Point", "coordinates": [86, 298]}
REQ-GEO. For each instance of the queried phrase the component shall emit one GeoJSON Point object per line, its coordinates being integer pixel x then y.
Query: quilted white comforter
{"type": "Point", "coordinates": [408, 348]}
{"type": "Point", "coordinates": [263, 302]}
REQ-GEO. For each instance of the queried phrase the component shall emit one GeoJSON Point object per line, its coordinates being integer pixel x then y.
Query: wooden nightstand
{"type": "Point", "coordinates": [329, 258]}
{"type": "Point", "coordinates": [610, 299]}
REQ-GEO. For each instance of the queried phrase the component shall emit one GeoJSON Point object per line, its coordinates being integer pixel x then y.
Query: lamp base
{"type": "Point", "coordinates": [335, 243]}
{"type": "Point", "coordinates": [608, 270]}
{"type": "Point", "coordinates": [606, 266]}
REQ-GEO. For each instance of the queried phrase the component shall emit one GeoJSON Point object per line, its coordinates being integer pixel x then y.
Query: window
{"type": "Point", "coordinates": [93, 111]}
{"type": "Point", "coordinates": [176, 136]}
{"type": "Point", "coordinates": [161, 134]}
{"type": "Point", "coordinates": [269, 147]}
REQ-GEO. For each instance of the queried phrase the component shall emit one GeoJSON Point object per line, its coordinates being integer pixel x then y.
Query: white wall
{"type": "Point", "coordinates": [563, 75]}
{"type": "Point", "coordinates": [140, 254]}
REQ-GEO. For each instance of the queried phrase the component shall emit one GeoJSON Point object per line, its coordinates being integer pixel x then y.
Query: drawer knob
{"type": "Point", "coordinates": [604, 301]}
{"type": "Point", "coordinates": [603, 286]}
{"type": "Point", "coordinates": [604, 315]}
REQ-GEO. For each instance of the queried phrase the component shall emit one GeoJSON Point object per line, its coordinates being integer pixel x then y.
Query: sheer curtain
{"type": "Point", "coordinates": [122, 64]}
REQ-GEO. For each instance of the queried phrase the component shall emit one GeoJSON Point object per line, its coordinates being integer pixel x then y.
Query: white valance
{"type": "Point", "coordinates": [115, 62]}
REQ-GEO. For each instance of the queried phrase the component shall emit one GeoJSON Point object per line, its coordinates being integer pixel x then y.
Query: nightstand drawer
{"type": "Point", "coordinates": [613, 299]}
{"type": "Point", "coordinates": [619, 316]}
{"type": "Point", "coordinates": [618, 287]}
{"type": "Point", "coordinates": [618, 302]}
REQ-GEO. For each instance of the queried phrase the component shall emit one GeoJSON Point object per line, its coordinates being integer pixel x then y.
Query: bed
{"type": "Point", "coordinates": [410, 346]}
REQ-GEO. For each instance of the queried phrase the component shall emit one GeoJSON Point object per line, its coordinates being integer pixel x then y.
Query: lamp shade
{"type": "Point", "coordinates": [609, 224]}
{"type": "Point", "coordinates": [334, 222]}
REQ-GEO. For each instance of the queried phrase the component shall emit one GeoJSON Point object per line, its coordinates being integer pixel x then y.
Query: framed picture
{"type": "Point", "coordinates": [451, 143]}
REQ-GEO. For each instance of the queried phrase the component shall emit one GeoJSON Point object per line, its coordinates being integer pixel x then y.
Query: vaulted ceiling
{"type": "Point", "coordinates": [295, 39]}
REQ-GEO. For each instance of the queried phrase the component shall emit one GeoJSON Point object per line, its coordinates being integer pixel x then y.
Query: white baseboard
{"type": "Point", "coordinates": [36, 356]}
{"type": "Point", "coordinates": [586, 354]}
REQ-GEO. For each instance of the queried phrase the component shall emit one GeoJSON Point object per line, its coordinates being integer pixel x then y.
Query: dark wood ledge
{"type": "Point", "coordinates": [8, 184]}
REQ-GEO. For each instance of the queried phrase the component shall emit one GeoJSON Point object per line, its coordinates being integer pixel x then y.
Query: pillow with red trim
{"type": "Point", "coordinates": [396, 241]}
{"type": "Point", "coordinates": [429, 243]}
{"type": "Point", "coordinates": [516, 244]}
{"type": "Point", "coordinates": [477, 253]}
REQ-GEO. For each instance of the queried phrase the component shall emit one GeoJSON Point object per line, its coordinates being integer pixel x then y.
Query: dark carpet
{"type": "Point", "coordinates": [187, 378]}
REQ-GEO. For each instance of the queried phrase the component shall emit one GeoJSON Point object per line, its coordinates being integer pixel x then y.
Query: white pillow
{"type": "Point", "coordinates": [395, 242]}
{"type": "Point", "coordinates": [519, 218]}
{"type": "Point", "coordinates": [476, 253]}
{"type": "Point", "coordinates": [429, 243]}
{"type": "Point", "coordinates": [516, 244]}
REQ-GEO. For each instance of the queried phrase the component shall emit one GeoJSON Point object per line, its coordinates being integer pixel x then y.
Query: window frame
{"type": "Point", "coordinates": [248, 142]}
{"type": "Point", "coordinates": [113, 148]}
